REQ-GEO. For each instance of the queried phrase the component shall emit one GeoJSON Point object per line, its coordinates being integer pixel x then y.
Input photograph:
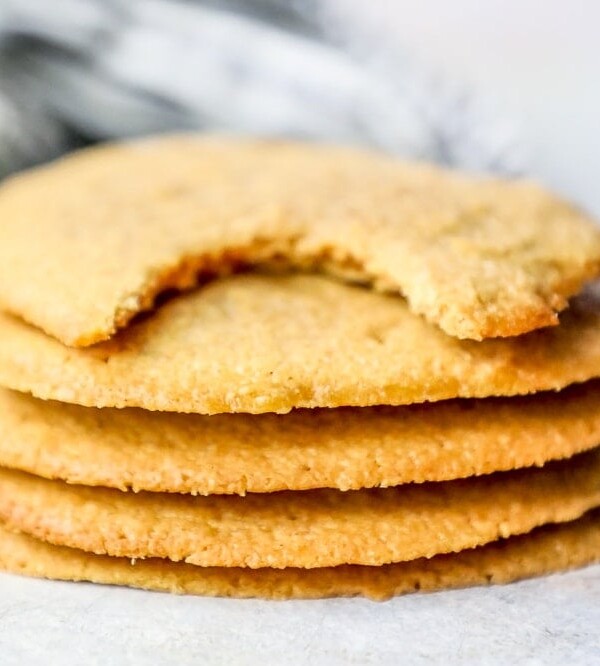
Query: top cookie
{"type": "Point", "coordinates": [88, 242]}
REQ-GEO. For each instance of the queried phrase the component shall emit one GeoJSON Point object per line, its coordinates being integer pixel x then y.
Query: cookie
{"type": "Point", "coordinates": [264, 343]}
{"type": "Point", "coordinates": [346, 448]}
{"type": "Point", "coordinates": [316, 528]}
{"type": "Point", "coordinates": [88, 242]}
{"type": "Point", "coordinates": [548, 549]}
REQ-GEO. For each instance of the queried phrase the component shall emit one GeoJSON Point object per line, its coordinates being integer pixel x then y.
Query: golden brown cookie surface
{"type": "Point", "coordinates": [316, 528]}
{"type": "Point", "coordinates": [86, 243]}
{"type": "Point", "coordinates": [546, 550]}
{"type": "Point", "coordinates": [257, 343]}
{"type": "Point", "coordinates": [348, 448]}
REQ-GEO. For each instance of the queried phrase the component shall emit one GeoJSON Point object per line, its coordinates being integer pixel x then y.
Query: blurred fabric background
{"type": "Point", "coordinates": [500, 86]}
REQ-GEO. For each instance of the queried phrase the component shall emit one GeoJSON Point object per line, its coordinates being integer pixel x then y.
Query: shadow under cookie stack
{"type": "Point", "coordinates": [267, 369]}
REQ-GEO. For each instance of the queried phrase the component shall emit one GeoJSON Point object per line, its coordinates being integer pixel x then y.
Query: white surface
{"type": "Point", "coordinates": [549, 621]}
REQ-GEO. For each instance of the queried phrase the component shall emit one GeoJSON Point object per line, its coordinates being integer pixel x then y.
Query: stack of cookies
{"type": "Point", "coordinates": [267, 369]}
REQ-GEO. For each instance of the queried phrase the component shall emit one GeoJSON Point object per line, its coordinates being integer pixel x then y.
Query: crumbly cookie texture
{"type": "Point", "coordinates": [548, 549]}
{"type": "Point", "coordinates": [346, 448]}
{"type": "Point", "coordinates": [316, 528]}
{"type": "Point", "coordinates": [263, 343]}
{"type": "Point", "coordinates": [89, 241]}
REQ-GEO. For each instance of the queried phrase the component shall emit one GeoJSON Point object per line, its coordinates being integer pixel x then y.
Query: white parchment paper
{"type": "Point", "coordinates": [555, 620]}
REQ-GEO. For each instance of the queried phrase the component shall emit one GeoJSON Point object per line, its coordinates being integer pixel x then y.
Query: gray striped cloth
{"type": "Point", "coordinates": [78, 71]}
